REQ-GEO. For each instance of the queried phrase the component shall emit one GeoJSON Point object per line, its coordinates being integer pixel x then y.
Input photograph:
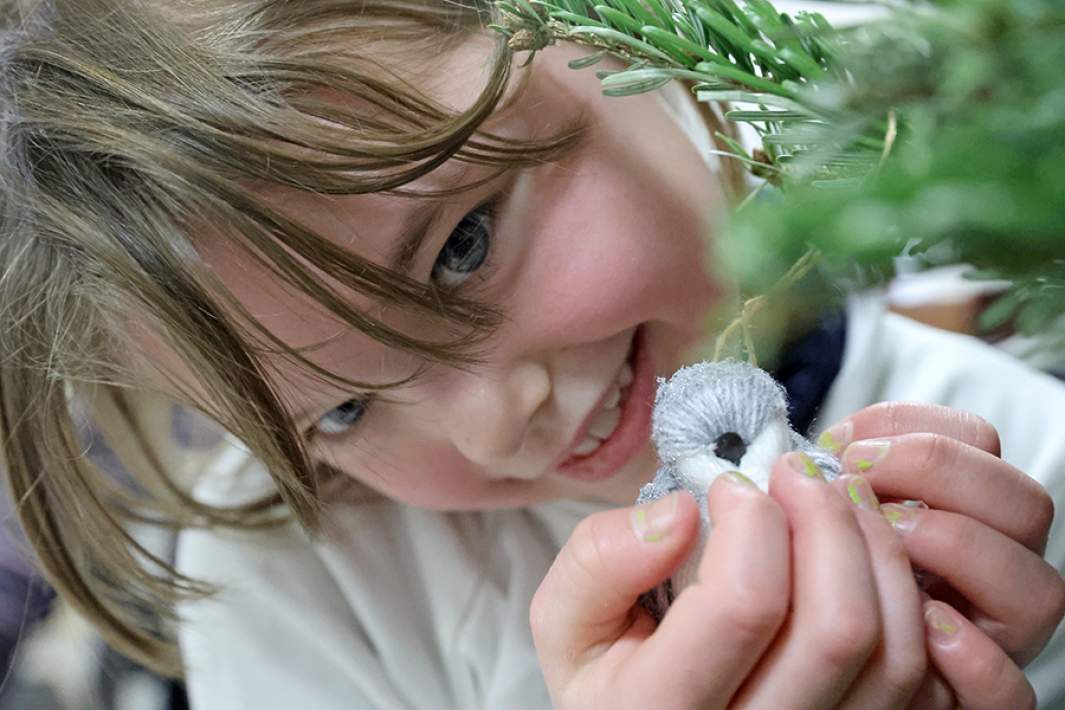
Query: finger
{"type": "Point", "coordinates": [1027, 599]}
{"type": "Point", "coordinates": [897, 418]}
{"type": "Point", "coordinates": [612, 557]}
{"type": "Point", "coordinates": [933, 694]}
{"type": "Point", "coordinates": [950, 475]}
{"type": "Point", "coordinates": [718, 627]}
{"type": "Point", "coordinates": [977, 670]}
{"type": "Point", "coordinates": [897, 667]}
{"type": "Point", "coordinates": [834, 623]}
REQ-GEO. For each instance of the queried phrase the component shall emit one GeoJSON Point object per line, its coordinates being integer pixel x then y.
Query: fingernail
{"type": "Point", "coordinates": [801, 463]}
{"type": "Point", "coordinates": [863, 455]}
{"type": "Point", "coordinates": [902, 517]}
{"type": "Point", "coordinates": [860, 492]}
{"type": "Point", "coordinates": [835, 438]}
{"type": "Point", "coordinates": [739, 479]}
{"type": "Point", "coordinates": [942, 627]}
{"type": "Point", "coordinates": [652, 522]}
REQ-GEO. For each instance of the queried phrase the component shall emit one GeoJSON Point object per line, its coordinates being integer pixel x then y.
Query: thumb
{"type": "Point", "coordinates": [611, 558]}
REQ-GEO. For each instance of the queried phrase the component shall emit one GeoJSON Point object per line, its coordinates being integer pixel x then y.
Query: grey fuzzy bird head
{"type": "Point", "coordinates": [715, 417]}
{"type": "Point", "coordinates": [725, 415]}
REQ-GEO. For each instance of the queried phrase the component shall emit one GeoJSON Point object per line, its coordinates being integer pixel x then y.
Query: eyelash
{"type": "Point", "coordinates": [485, 217]}
{"type": "Point", "coordinates": [360, 406]}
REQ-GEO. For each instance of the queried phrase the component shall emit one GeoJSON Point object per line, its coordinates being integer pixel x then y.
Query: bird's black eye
{"type": "Point", "coordinates": [730, 446]}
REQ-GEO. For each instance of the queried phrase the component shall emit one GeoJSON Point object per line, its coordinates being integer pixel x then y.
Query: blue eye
{"type": "Point", "coordinates": [342, 418]}
{"type": "Point", "coordinates": [466, 249]}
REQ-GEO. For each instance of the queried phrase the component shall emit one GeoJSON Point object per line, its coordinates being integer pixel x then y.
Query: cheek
{"type": "Point", "coordinates": [611, 247]}
{"type": "Point", "coordinates": [416, 473]}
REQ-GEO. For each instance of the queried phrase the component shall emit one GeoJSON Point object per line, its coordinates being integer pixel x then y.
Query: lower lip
{"type": "Point", "coordinates": [632, 432]}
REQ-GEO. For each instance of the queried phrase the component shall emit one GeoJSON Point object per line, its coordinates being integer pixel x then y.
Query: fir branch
{"type": "Point", "coordinates": [749, 54]}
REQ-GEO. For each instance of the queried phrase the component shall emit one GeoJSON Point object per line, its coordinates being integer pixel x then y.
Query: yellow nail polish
{"type": "Point", "coordinates": [739, 479]}
{"type": "Point", "coordinates": [942, 627]}
{"type": "Point", "coordinates": [836, 438]}
{"type": "Point", "coordinates": [863, 455]}
{"type": "Point", "coordinates": [652, 522]}
{"type": "Point", "coordinates": [901, 517]}
{"type": "Point", "coordinates": [803, 464]}
{"type": "Point", "coordinates": [861, 493]}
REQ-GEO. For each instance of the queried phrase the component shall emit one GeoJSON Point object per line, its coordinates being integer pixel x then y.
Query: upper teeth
{"type": "Point", "coordinates": [605, 422]}
{"type": "Point", "coordinates": [607, 418]}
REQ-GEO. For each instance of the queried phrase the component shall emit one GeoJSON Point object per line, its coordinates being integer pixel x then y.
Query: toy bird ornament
{"type": "Point", "coordinates": [709, 419]}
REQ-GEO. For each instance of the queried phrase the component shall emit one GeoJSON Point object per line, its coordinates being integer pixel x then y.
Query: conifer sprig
{"type": "Point", "coordinates": [768, 65]}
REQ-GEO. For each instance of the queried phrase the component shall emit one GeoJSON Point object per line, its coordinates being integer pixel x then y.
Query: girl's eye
{"type": "Point", "coordinates": [342, 418]}
{"type": "Point", "coordinates": [466, 249]}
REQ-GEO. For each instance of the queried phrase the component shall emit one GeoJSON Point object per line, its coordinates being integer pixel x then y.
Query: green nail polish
{"type": "Point", "coordinates": [942, 627]}
{"type": "Point", "coordinates": [827, 441]}
{"type": "Point", "coordinates": [901, 517]}
{"type": "Point", "coordinates": [739, 478]}
{"type": "Point", "coordinates": [836, 438]}
{"type": "Point", "coordinates": [652, 522]}
{"type": "Point", "coordinates": [861, 493]}
{"type": "Point", "coordinates": [801, 463]}
{"type": "Point", "coordinates": [811, 468]}
{"type": "Point", "coordinates": [864, 455]}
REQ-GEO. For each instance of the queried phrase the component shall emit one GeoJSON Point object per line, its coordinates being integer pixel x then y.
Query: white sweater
{"type": "Point", "coordinates": [403, 608]}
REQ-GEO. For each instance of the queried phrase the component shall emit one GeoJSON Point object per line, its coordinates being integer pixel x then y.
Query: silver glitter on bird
{"type": "Point", "coordinates": [709, 419]}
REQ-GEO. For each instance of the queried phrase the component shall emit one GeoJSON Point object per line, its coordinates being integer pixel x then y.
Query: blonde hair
{"type": "Point", "coordinates": [124, 126]}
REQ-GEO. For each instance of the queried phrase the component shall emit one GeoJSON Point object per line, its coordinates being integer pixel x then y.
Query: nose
{"type": "Point", "coordinates": [491, 412]}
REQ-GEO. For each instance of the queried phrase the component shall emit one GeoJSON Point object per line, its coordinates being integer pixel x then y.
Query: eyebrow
{"type": "Point", "coordinates": [415, 230]}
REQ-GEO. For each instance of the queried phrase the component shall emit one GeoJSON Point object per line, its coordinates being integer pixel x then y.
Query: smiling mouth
{"type": "Point", "coordinates": [620, 424]}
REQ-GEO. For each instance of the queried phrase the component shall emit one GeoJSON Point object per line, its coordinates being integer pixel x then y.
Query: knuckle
{"type": "Point", "coordinates": [988, 669]}
{"type": "Point", "coordinates": [837, 515]}
{"type": "Point", "coordinates": [893, 550]}
{"type": "Point", "coordinates": [898, 415]}
{"type": "Point", "coordinates": [956, 532]}
{"type": "Point", "coordinates": [895, 416]}
{"type": "Point", "coordinates": [579, 565]}
{"type": "Point", "coordinates": [1043, 510]}
{"type": "Point", "coordinates": [847, 641]}
{"type": "Point", "coordinates": [585, 547]}
{"type": "Point", "coordinates": [1056, 605]}
{"type": "Point", "coordinates": [980, 433]}
{"type": "Point", "coordinates": [934, 452]}
{"type": "Point", "coordinates": [885, 543]}
{"type": "Point", "coordinates": [754, 618]}
{"type": "Point", "coordinates": [903, 675]}
{"type": "Point", "coordinates": [764, 506]}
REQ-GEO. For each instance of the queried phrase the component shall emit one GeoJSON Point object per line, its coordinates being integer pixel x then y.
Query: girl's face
{"type": "Point", "coordinates": [597, 262]}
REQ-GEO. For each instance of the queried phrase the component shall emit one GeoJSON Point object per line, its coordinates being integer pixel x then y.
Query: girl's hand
{"type": "Point", "coordinates": [984, 535]}
{"type": "Point", "coordinates": [841, 629]}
